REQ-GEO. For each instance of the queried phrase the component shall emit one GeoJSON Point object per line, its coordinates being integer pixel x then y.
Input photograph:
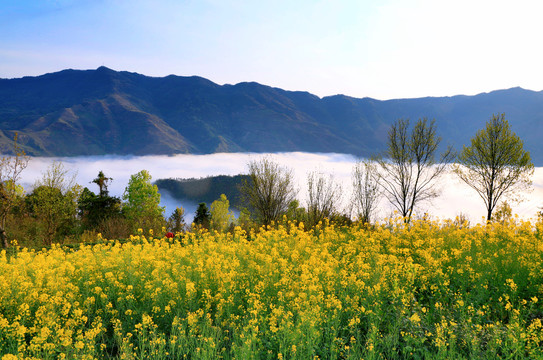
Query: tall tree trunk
{"type": "Point", "coordinates": [4, 239]}
{"type": "Point", "coordinates": [3, 235]}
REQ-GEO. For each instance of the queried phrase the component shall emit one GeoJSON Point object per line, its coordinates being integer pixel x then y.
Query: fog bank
{"type": "Point", "coordinates": [456, 197]}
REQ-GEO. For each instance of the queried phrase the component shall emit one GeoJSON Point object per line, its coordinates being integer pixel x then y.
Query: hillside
{"type": "Point", "coordinates": [102, 111]}
{"type": "Point", "coordinates": [206, 189]}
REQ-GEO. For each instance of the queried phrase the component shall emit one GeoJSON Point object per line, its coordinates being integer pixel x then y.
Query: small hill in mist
{"type": "Point", "coordinates": [207, 189]}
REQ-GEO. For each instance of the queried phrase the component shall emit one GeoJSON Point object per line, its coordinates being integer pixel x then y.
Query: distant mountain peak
{"type": "Point", "coordinates": [103, 111]}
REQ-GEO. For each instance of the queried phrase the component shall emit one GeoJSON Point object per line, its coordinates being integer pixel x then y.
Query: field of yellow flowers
{"type": "Point", "coordinates": [396, 291]}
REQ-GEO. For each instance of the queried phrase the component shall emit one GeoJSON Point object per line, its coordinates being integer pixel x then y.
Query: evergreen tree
{"type": "Point", "coordinates": [102, 182]}
{"type": "Point", "coordinates": [202, 217]}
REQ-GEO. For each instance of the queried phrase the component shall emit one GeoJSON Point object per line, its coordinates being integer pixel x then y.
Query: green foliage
{"type": "Point", "coordinates": [221, 215]}
{"type": "Point", "coordinates": [53, 203]}
{"type": "Point", "coordinates": [54, 213]}
{"type": "Point", "coordinates": [10, 192]}
{"type": "Point", "coordinates": [341, 220]}
{"type": "Point", "coordinates": [142, 202]}
{"type": "Point", "coordinates": [95, 209]}
{"type": "Point", "coordinates": [102, 181]}
{"type": "Point", "coordinates": [295, 212]}
{"type": "Point", "coordinates": [245, 222]}
{"type": "Point", "coordinates": [202, 217]}
{"type": "Point", "coordinates": [495, 164]}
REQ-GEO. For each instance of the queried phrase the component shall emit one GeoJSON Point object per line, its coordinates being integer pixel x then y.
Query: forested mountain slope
{"type": "Point", "coordinates": [102, 111]}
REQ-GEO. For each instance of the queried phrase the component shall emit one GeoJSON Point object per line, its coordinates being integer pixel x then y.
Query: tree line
{"type": "Point", "coordinates": [494, 164]}
{"type": "Point", "coordinates": [58, 210]}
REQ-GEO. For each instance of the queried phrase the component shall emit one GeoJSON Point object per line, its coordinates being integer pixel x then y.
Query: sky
{"type": "Point", "coordinates": [368, 48]}
{"type": "Point", "coordinates": [455, 197]}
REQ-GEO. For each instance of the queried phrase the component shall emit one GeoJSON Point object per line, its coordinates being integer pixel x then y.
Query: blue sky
{"type": "Point", "coordinates": [381, 49]}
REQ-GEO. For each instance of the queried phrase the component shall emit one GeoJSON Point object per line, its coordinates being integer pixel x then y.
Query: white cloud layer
{"type": "Point", "coordinates": [455, 198]}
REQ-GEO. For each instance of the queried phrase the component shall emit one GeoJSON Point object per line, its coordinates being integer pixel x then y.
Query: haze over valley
{"type": "Point", "coordinates": [455, 198]}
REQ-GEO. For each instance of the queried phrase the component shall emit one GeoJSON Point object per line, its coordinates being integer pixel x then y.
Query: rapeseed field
{"type": "Point", "coordinates": [394, 291]}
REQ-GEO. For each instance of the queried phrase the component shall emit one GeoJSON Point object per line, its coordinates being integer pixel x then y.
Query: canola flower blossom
{"type": "Point", "coordinates": [395, 291]}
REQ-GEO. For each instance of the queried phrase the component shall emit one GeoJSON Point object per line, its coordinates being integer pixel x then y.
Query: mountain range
{"type": "Point", "coordinates": [102, 111]}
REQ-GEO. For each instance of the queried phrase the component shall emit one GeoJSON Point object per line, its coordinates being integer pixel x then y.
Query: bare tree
{"type": "Point", "coordinates": [323, 196]}
{"type": "Point", "coordinates": [269, 191]}
{"type": "Point", "coordinates": [58, 177]}
{"type": "Point", "coordinates": [365, 190]}
{"type": "Point", "coordinates": [10, 173]}
{"type": "Point", "coordinates": [409, 170]}
{"type": "Point", "coordinates": [495, 164]}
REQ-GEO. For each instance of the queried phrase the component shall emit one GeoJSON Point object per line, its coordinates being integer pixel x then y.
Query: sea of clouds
{"type": "Point", "coordinates": [455, 196]}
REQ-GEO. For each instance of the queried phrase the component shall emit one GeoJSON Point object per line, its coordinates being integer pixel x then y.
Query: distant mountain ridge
{"type": "Point", "coordinates": [102, 111]}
